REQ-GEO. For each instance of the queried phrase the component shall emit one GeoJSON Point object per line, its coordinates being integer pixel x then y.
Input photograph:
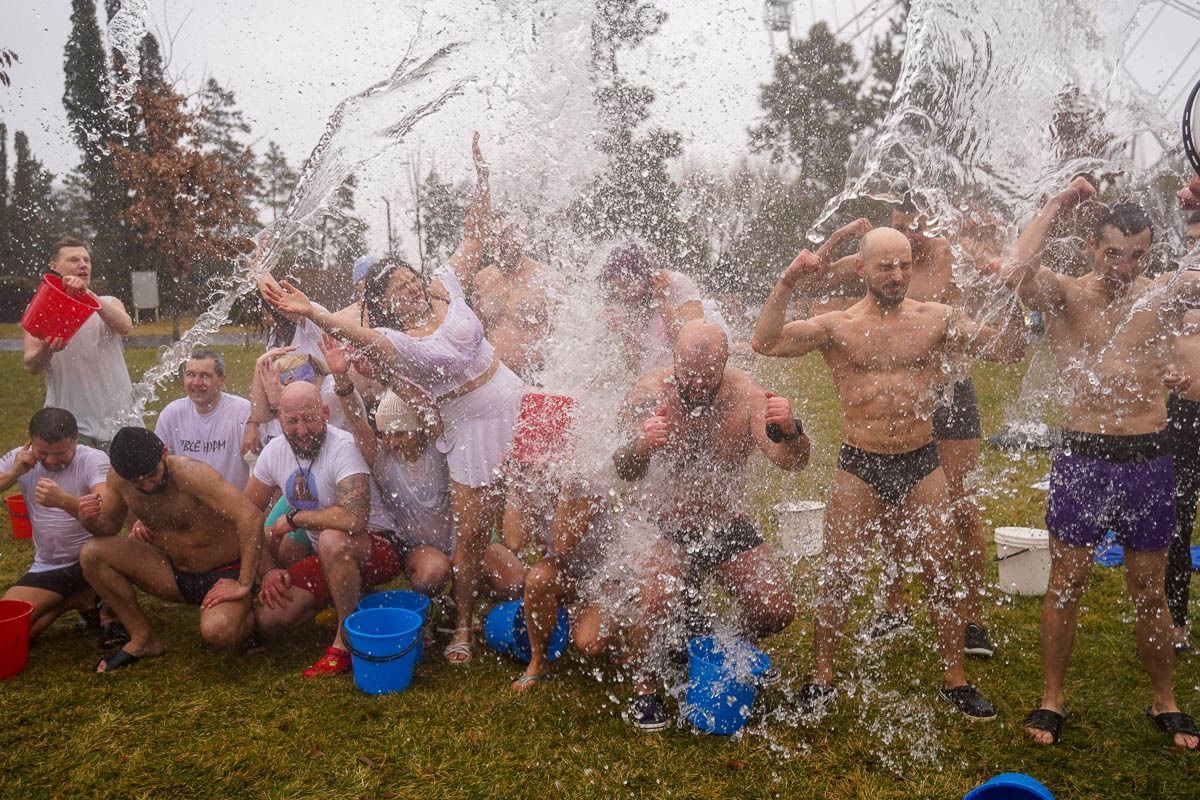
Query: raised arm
{"type": "Point", "coordinates": [777, 432]}
{"type": "Point", "coordinates": [842, 272]}
{"type": "Point", "coordinates": [364, 435]}
{"type": "Point", "coordinates": [104, 514]}
{"type": "Point", "coordinates": [1039, 288]}
{"type": "Point", "coordinates": [23, 461]}
{"type": "Point", "coordinates": [775, 337]}
{"type": "Point", "coordinates": [467, 260]}
{"type": "Point", "coordinates": [1004, 344]}
{"type": "Point", "coordinates": [288, 298]}
{"type": "Point", "coordinates": [648, 428]}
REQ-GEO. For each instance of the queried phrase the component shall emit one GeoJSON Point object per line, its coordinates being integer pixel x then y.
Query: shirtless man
{"type": "Point", "coordinates": [694, 425]}
{"type": "Point", "coordinates": [511, 295]}
{"type": "Point", "coordinates": [1183, 430]}
{"type": "Point", "coordinates": [956, 426]}
{"type": "Point", "coordinates": [197, 543]}
{"type": "Point", "coordinates": [1111, 332]}
{"type": "Point", "coordinates": [887, 355]}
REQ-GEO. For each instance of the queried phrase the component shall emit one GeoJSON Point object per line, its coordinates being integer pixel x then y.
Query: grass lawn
{"type": "Point", "coordinates": [147, 327]}
{"type": "Point", "coordinates": [200, 723]}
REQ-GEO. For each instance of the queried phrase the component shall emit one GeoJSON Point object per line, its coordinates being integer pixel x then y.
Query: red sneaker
{"type": "Point", "coordinates": [336, 661]}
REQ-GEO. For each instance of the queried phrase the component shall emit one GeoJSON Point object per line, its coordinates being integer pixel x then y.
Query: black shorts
{"type": "Point", "coordinates": [958, 419]}
{"type": "Point", "coordinates": [195, 585]}
{"type": "Point", "coordinates": [710, 545]}
{"type": "Point", "coordinates": [64, 581]}
{"type": "Point", "coordinates": [891, 475]}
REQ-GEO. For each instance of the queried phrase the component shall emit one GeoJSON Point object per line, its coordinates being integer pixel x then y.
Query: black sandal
{"type": "Point", "coordinates": [1048, 720]}
{"type": "Point", "coordinates": [118, 659]}
{"type": "Point", "coordinates": [113, 635]}
{"type": "Point", "coordinates": [1174, 722]}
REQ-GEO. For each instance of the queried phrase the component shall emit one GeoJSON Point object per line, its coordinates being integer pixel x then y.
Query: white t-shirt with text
{"type": "Point", "coordinates": [214, 438]}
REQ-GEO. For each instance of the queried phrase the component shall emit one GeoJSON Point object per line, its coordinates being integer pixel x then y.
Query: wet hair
{"type": "Point", "coordinates": [630, 261]}
{"type": "Point", "coordinates": [1129, 218]}
{"type": "Point", "coordinates": [53, 425]}
{"type": "Point", "coordinates": [284, 331]}
{"type": "Point", "coordinates": [135, 453]}
{"type": "Point", "coordinates": [202, 353]}
{"type": "Point", "coordinates": [67, 241]}
{"type": "Point", "coordinates": [375, 292]}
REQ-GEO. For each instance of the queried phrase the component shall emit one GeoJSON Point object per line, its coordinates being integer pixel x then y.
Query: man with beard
{"type": "Point", "coordinates": [694, 425]}
{"type": "Point", "coordinates": [1112, 333]}
{"type": "Point", "coordinates": [511, 293]}
{"type": "Point", "coordinates": [887, 355]}
{"type": "Point", "coordinates": [201, 545]}
{"type": "Point", "coordinates": [348, 545]}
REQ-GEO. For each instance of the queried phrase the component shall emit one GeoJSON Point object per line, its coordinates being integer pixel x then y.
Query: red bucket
{"type": "Point", "coordinates": [15, 619]}
{"type": "Point", "coordinates": [18, 514]}
{"type": "Point", "coordinates": [543, 427]}
{"type": "Point", "coordinates": [53, 312]}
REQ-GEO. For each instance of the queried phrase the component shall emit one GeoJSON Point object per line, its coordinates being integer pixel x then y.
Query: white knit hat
{"type": "Point", "coordinates": [396, 416]}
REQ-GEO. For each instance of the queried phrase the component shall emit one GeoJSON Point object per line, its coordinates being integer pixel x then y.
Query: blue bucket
{"type": "Point", "coordinates": [1196, 558]}
{"type": "Point", "coordinates": [1108, 552]}
{"type": "Point", "coordinates": [721, 689]}
{"type": "Point", "coordinates": [507, 634]}
{"type": "Point", "coordinates": [401, 598]}
{"type": "Point", "coordinates": [1010, 786]}
{"type": "Point", "coordinates": [383, 646]}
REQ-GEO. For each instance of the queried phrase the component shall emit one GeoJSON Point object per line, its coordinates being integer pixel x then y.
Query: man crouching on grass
{"type": "Point", "coordinates": [197, 542]}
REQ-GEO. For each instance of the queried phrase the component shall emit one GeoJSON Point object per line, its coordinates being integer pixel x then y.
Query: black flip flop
{"type": "Point", "coordinates": [1048, 720]}
{"type": "Point", "coordinates": [112, 635]}
{"type": "Point", "coordinates": [1173, 722]}
{"type": "Point", "coordinates": [117, 659]}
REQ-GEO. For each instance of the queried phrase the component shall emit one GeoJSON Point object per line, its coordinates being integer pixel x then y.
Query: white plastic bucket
{"type": "Point", "coordinates": [1024, 556]}
{"type": "Point", "coordinates": [801, 527]}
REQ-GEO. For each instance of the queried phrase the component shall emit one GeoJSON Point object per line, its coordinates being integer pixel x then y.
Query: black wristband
{"type": "Point", "coordinates": [346, 393]}
{"type": "Point", "coordinates": [290, 516]}
{"type": "Point", "coordinates": [775, 432]}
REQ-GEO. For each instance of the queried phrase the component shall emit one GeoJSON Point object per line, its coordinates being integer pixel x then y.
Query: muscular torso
{"type": "Point", "coordinates": [195, 537]}
{"type": "Point", "coordinates": [886, 368]}
{"type": "Point", "coordinates": [1111, 359]}
{"type": "Point", "coordinates": [514, 309]}
{"type": "Point", "coordinates": [699, 474]}
{"type": "Point", "coordinates": [1187, 354]}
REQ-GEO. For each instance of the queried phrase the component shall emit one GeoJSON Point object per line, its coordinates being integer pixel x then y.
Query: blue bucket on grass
{"type": "Point", "coordinates": [383, 646]}
{"type": "Point", "coordinates": [1108, 552]}
{"type": "Point", "coordinates": [722, 685]}
{"type": "Point", "coordinates": [401, 598]}
{"type": "Point", "coordinates": [1196, 558]}
{"type": "Point", "coordinates": [507, 633]}
{"type": "Point", "coordinates": [1010, 786]}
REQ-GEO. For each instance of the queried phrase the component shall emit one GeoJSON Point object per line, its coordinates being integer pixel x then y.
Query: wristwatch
{"type": "Point", "coordinates": [290, 516]}
{"type": "Point", "coordinates": [775, 432]}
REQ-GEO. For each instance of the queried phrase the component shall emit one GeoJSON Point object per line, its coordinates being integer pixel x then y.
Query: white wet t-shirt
{"type": "Point", "coordinates": [311, 484]}
{"type": "Point", "coordinates": [214, 438]}
{"type": "Point", "coordinates": [417, 493]}
{"type": "Point", "coordinates": [57, 536]}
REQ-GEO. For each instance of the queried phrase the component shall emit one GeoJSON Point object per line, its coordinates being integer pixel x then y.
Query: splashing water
{"type": "Point", "coordinates": [126, 30]}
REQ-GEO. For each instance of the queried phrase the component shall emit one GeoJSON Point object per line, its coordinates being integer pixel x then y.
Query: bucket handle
{"type": "Point", "coordinates": [382, 659]}
{"type": "Point", "coordinates": [1013, 554]}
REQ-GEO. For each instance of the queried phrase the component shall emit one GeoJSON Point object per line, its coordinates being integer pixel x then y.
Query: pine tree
{"type": "Point", "coordinates": [813, 112]}
{"type": "Point", "coordinates": [442, 208]}
{"type": "Point", "coordinates": [276, 181]}
{"type": "Point", "coordinates": [31, 207]}
{"type": "Point", "coordinates": [636, 195]}
{"type": "Point", "coordinates": [221, 128]}
{"type": "Point", "coordinates": [6, 268]}
{"type": "Point", "coordinates": [86, 100]}
{"type": "Point", "coordinates": [887, 57]}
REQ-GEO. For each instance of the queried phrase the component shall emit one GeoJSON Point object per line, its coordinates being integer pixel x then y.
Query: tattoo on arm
{"type": "Point", "coordinates": [354, 496]}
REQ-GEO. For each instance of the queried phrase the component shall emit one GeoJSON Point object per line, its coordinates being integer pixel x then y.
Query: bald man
{"type": "Point", "coordinates": [692, 427]}
{"type": "Point", "coordinates": [887, 355]}
{"type": "Point", "coordinates": [349, 539]}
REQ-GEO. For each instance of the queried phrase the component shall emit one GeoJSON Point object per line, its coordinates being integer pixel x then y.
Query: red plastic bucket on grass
{"type": "Point", "coordinates": [53, 312]}
{"type": "Point", "coordinates": [18, 514]}
{"type": "Point", "coordinates": [15, 618]}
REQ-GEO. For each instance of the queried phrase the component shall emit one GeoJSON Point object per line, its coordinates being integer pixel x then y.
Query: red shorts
{"type": "Point", "coordinates": [384, 564]}
{"type": "Point", "coordinates": [543, 427]}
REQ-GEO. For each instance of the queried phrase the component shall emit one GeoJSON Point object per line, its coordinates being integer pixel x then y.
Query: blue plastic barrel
{"type": "Point", "coordinates": [506, 632]}
{"type": "Point", "coordinates": [1010, 786]}
{"type": "Point", "coordinates": [401, 598]}
{"type": "Point", "coordinates": [722, 685]}
{"type": "Point", "coordinates": [383, 648]}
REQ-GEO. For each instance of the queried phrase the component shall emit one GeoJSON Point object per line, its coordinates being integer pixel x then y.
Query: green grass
{"type": "Point", "coordinates": [147, 327]}
{"type": "Point", "coordinates": [201, 723]}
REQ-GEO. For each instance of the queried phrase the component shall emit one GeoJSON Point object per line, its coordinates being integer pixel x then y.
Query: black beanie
{"type": "Point", "coordinates": [135, 453]}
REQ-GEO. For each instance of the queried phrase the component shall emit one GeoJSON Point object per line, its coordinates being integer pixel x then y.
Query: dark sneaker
{"type": "Point", "coordinates": [976, 642]}
{"type": "Point", "coordinates": [813, 698]}
{"type": "Point", "coordinates": [887, 625]}
{"type": "Point", "coordinates": [647, 713]}
{"type": "Point", "coordinates": [970, 703]}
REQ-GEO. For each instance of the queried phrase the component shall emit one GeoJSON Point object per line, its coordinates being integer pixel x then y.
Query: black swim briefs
{"type": "Point", "coordinates": [195, 585]}
{"type": "Point", "coordinates": [711, 544]}
{"type": "Point", "coordinates": [891, 475]}
{"type": "Point", "coordinates": [63, 581]}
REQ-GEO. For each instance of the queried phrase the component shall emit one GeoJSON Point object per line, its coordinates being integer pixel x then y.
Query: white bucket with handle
{"type": "Point", "coordinates": [801, 527]}
{"type": "Point", "coordinates": [1024, 558]}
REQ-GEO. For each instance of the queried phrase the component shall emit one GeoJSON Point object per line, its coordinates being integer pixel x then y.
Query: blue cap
{"type": "Point", "coordinates": [362, 267]}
